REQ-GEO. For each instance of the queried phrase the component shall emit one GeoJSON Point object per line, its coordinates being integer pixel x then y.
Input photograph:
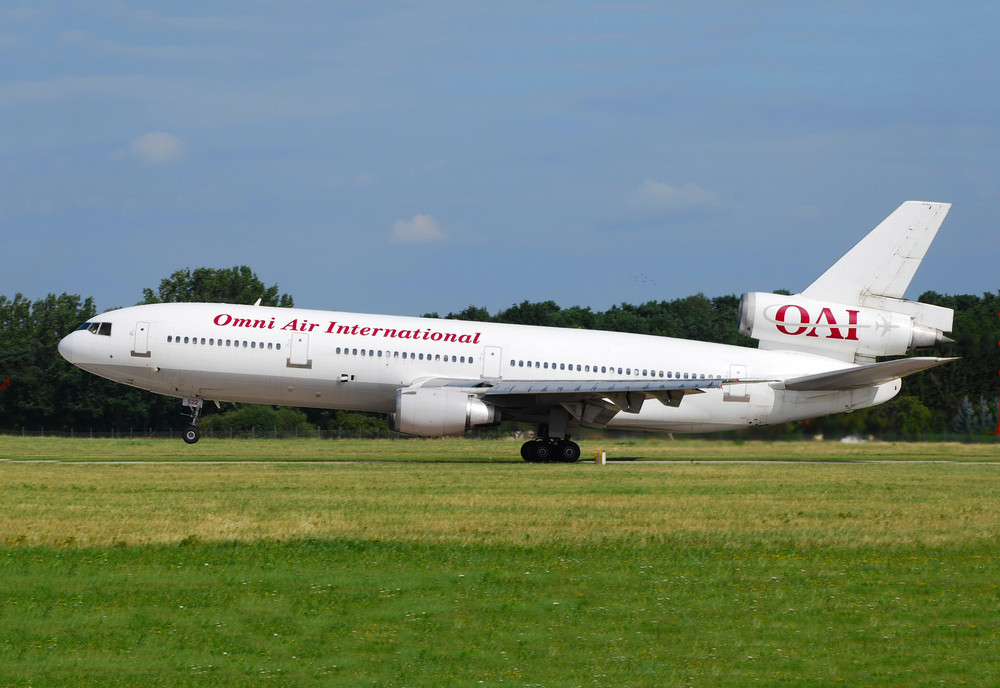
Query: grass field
{"type": "Point", "coordinates": [430, 573]}
{"type": "Point", "coordinates": [461, 450]}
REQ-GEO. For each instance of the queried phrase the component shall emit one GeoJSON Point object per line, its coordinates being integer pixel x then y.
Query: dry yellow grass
{"type": "Point", "coordinates": [837, 505]}
{"type": "Point", "coordinates": [459, 449]}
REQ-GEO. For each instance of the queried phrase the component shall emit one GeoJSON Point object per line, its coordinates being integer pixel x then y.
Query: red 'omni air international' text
{"type": "Point", "coordinates": [334, 327]}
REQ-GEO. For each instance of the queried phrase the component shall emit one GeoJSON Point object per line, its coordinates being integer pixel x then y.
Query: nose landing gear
{"type": "Point", "coordinates": [191, 434]}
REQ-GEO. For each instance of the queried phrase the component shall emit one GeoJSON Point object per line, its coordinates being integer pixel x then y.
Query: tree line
{"type": "Point", "coordinates": [958, 400]}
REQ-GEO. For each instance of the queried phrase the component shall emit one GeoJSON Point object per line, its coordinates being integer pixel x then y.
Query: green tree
{"type": "Point", "coordinates": [260, 421]}
{"type": "Point", "coordinates": [238, 284]}
{"type": "Point", "coordinates": [43, 387]}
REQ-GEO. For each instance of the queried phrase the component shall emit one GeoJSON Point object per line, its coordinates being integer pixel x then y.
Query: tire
{"type": "Point", "coordinates": [191, 435]}
{"type": "Point", "coordinates": [542, 451]}
{"type": "Point", "coordinates": [568, 452]}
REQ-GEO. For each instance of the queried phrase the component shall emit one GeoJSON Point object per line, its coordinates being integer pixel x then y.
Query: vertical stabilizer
{"type": "Point", "coordinates": [883, 263]}
{"type": "Point", "coordinates": [855, 310]}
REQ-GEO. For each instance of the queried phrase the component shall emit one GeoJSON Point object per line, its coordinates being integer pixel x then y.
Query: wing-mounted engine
{"type": "Point", "coordinates": [435, 411]}
{"type": "Point", "coordinates": [851, 333]}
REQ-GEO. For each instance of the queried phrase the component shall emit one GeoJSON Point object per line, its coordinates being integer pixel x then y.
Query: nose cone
{"type": "Point", "coordinates": [66, 347]}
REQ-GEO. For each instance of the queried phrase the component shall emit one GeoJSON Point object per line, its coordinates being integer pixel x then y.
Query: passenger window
{"type": "Point", "coordinates": [169, 339]}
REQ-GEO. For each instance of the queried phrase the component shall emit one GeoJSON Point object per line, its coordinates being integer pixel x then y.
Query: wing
{"type": "Point", "coordinates": [590, 402]}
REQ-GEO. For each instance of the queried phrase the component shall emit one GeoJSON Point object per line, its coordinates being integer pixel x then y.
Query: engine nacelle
{"type": "Point", "coordinates": [436, 411]}
{"type": "Point", "coordinates": [798, 323]}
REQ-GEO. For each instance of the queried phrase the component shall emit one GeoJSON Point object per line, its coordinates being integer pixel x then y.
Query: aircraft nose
{"type": "Point", "coordinates": [66, 347]}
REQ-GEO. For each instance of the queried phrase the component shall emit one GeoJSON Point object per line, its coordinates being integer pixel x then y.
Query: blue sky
{"type": "Point", "coordinates": [407, 157]}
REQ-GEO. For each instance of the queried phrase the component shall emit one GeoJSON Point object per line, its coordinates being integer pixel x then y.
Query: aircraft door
{"type": "Point", "coordinates": [140, 345]}
{"type": "Point", "coordinates": [298, 355]}
{"type": "Point", "coordinates": [491, 362]}
{"type": "Point", "coordinates": [737, 392]}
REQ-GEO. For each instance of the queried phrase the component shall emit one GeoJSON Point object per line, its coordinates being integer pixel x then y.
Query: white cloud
{"type": "Point", "coordinates": [420, 229]}
{"type": "Point", "coordinates": [157, 148]}
{"type": "Point", "coordinates": [659, 198]}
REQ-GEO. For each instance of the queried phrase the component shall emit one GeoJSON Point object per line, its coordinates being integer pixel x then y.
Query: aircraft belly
{"type": "Point", "coordinates": [298, 390]}
{"type": "Point", "coordinates": [708, 412]}
{"type": "Point", "coordinates": [792, 406]}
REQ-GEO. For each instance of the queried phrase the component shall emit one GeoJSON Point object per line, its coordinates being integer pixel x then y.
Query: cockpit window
{"type": "Point", "coordinates": [103, 328]}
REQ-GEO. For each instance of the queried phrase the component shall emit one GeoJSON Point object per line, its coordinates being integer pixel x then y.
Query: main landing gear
{"type": "Point", "coordinates": [547, 447]}
{"type": "Point", "coordinates": [549, 450]}
{"type": "Point", "coordinates": [191, 434]}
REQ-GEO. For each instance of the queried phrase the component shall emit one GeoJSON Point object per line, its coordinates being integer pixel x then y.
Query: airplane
{"type": "Point", "coordinates": [816, 356]}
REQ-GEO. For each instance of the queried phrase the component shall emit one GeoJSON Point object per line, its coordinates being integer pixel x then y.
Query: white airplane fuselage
{"type": "Point", "coordinates": [338, 360]}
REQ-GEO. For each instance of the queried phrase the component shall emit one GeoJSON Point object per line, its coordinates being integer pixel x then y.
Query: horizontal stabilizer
{"type": "Point", "coordinates": [861, 376]}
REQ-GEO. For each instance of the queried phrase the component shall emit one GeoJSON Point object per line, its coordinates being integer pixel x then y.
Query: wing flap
{"type": "Point", "coordinates": [625, 394]}
{"type": "Point", "coordinates": [594, 402]}
{"type": "Point", "coordinates": [591, 402]}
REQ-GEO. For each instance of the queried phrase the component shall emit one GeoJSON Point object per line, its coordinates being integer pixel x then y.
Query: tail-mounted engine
{"type": "Point", "coordinates": [847, 332]}
{"type": "Point", "coordinates": [436, 411]}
